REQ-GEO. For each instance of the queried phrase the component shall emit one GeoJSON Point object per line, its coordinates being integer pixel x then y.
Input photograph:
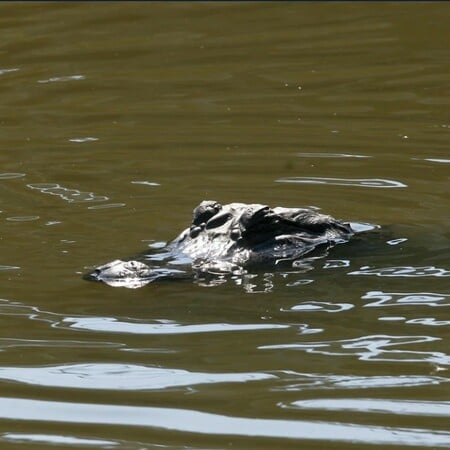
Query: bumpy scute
{"type": "Point", "coordinates": [229, 239]}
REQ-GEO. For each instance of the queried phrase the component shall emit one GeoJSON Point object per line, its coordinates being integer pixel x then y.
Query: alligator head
{"type": "Point", "coordinates": [228, 239]}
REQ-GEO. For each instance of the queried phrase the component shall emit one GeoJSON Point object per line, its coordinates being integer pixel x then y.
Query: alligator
{"type": "Point", "coordinates": [229, 240]}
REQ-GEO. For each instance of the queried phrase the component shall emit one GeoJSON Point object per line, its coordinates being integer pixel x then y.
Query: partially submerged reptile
{"type": "Point", "coordinates": [229, 239]}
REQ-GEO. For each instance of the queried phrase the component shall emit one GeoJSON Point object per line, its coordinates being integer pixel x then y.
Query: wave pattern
{"type": "Point", "coordinates": [69, 195]}
{"type": "Point", "coordinates": [116, 121]}
{"type": "Point", "coordinates": [192, 421]}
{"type": "Point", "coordinates": [361, 182]}
{"type": "Point", "coordinates": [372, 348]}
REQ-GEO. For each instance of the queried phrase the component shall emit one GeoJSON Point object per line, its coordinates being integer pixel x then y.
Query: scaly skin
{"type": "Point", "coordinates": [229, 239]}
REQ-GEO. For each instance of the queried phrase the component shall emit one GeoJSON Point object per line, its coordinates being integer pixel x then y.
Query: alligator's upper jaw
{"type": "Point", "coordinates": [130, 274]}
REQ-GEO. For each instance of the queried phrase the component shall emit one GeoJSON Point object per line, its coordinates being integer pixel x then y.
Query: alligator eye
{"type": "Point", "coordinates": [252, 217]}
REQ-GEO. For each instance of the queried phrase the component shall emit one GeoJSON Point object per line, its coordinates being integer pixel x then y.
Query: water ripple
{"type": "Point", "coordinates": [8, 176]}
{"type": "Point", "coordinates": [336, 263]}
{"type": "Point", "coordinates": [396, 241]}
{"type": "Point", "coordinates": [3, 71]}
{"type": "Point", "coordinates": [8, 343]}
{"type": "Point", "coordinates": [113, 325]}
{"type": "Point", "coordinates": [438, 160]}
{"type": "Point", "coordinates": [406, 299]}
{"type": "Point", "coordinates": [69, 195]}
{"type": "Point", "coordinates": [147, 183]}
{"type": "Point", "coordinates": [22, 218]}
{"type": "Point", "coordinates": [377, 405]}
{"type": "Point", "coordinates": [120, 376]}
{"type": "Point", "coordinates": [108, 205]}
{"type": "Point", "coordinates": [315, 306]}
{"type": "Point", "coordinates": [54, 439]}
{"type": "Point", "coordinates": [331, 155]}
{"type": "Point", "coordinates": [403, 271]}
{"type": "Point", "coordinates": [361, 182]}
{"type": "Point", "coordinates": [307, 381]}
{"type": "Point", "coordinates": [84, 139]}
{"type": "Point", "coordinates": [429, 321]}
{"type": "Point", "coordinates": [63, 79]}
{"type": "Point", "coordinates": [2, 267]}
{"type": "Point", "coordinates": [192, 421]}
{"type": "Point", "coordinates": [371, 348]}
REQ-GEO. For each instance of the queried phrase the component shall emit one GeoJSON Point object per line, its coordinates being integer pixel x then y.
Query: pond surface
{"type": "Point", "coordinates": [117, 119]}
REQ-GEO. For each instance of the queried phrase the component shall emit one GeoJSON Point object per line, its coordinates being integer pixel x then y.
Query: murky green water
{"type": "Point", "coordinates": [116, 119]}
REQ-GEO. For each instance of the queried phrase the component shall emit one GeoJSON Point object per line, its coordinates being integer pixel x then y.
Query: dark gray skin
{"type": "Point", "coordinates": [229, 239]}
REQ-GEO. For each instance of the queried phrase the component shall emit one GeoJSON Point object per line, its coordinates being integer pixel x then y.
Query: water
{"type": "Point", "coordinates": [117, 121]}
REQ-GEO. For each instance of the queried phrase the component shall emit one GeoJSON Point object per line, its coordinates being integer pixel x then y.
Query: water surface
{"type": "Point", "coordinates": [117, 120]}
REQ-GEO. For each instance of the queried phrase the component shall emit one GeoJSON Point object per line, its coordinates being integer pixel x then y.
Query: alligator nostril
{"type": "Point", "coordinates": [234, 234]}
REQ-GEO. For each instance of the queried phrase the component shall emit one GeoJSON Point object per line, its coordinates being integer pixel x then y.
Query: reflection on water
{"type": "Point", "coordinates": [120, 376]}
{"type": "Point", "coordinates": [67, 78]}
{"type": "Point", "coordinates": [70, 195]}
{"type": "Point", "coordinates": [107, 206]}
{"type": "Point", "coordinates": [425, 271]}
{"type": "Point", "coordinates": [438, 160]}
{"type": "Point", "coordinates": [307, 381]}
{"type": "Point", "coordinates": [117, 121]}
{"type": "Point", "coordinates": [206, 423]}
{"type": "Point", "coordinates": [22, 218]}
{"type": "Point", "coordinates": [9, 267]}
{"type": "Point", "coordinates": [406, 298]}
{"type": "Point", "coordinates": [396, 241]}
{"type": "Point", "coordinates": [83, 139]}
{"type": "Point", "coordinates": [330, 155]}
{"type": "Point", "coordinates": [163, 326]}
{"type": "Point", "coordinates": [116, 325]}
{"type": "Point", "coordinates": [146, 183]}
{"type": "Point", "coordinates": [322, 306]}
{"type": "Point", "coordinates": [8, 176]}
{"type": "Point", "coordinates": [372, 182]}
{"type": "Point", "coordinates": [429, 321]}
{"type": "Point", "coordinates": [10, 343]}
{"type": "Point", "coordinates": [3, 71]}
{"type": "Point", "coordinates": [336, 263]}
{"type": "Point", "coordinates": [52, 439]}
{"type": "Point", "coordinates": [441, 408]}
{"type": "Point", "coordinates": [372, 348]}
